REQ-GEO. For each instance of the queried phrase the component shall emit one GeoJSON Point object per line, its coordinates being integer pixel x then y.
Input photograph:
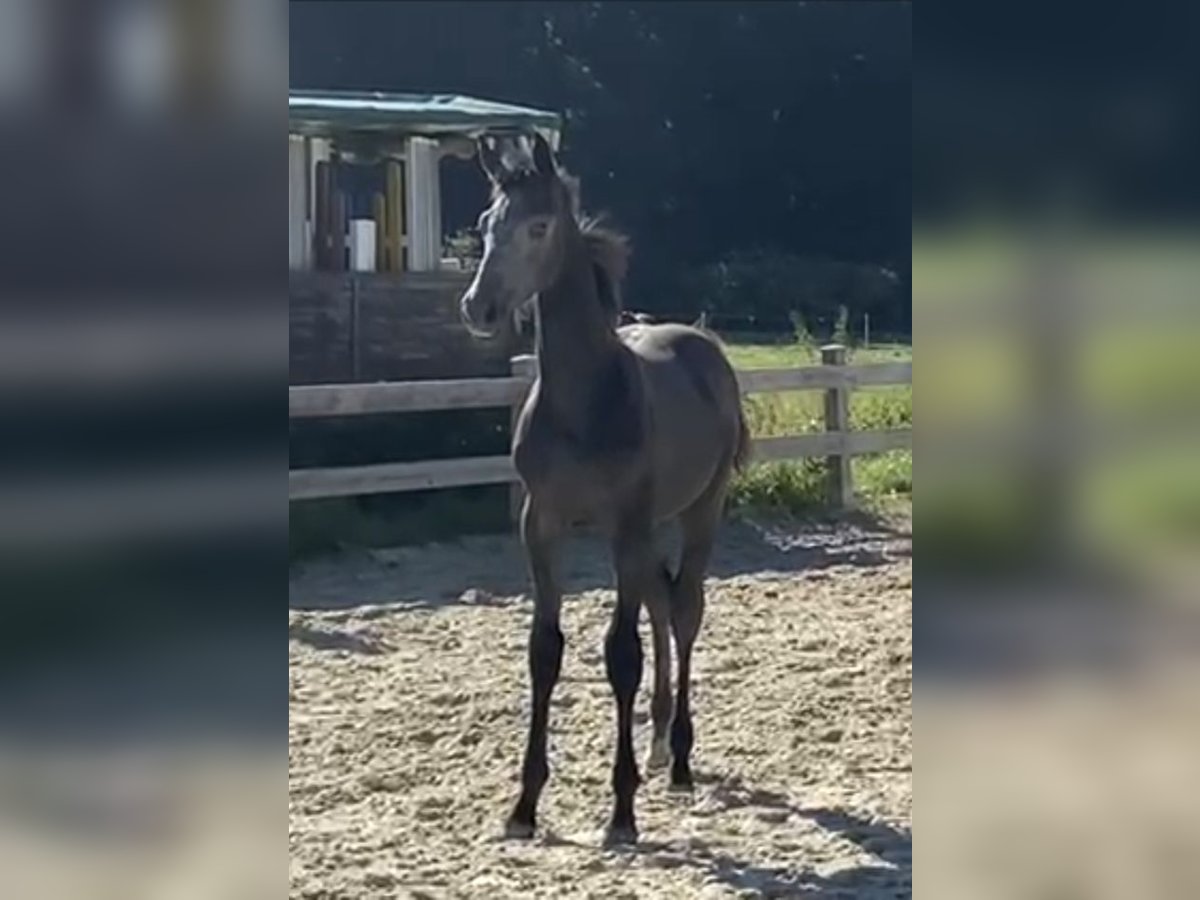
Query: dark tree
{"type": "Point", "coordinates": [706, 129]}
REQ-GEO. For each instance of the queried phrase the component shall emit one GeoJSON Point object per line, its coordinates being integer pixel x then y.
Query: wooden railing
{"type": "Point", "coordinates": [837, 443]}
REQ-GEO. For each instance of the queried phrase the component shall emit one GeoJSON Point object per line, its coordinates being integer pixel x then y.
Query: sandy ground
{"type": "Point", "coordinates": [408, 705]}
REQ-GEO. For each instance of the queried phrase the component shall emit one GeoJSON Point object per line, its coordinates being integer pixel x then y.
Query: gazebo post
{"type": "Point", "coordinates": [424, 204]}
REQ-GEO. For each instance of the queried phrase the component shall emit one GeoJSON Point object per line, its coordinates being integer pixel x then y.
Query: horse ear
{"type": "Point", "coordinates": [543, 156]}
{"type": "Point", "coordinates": [489, 158]}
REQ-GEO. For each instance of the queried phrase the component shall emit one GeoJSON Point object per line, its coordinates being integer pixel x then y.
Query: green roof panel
{"type": "Point", "coordinates": [322, 113]}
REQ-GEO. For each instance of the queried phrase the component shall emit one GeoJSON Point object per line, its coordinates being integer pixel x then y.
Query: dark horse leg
{"type": "Point", "coordinates": [545, 659]}
{"type": "Point", "coordinates": [699, 523]}
{"type": "Point", "coordinates": [636, 569]}
{"type": "Point", "coordinates": [658, 605]}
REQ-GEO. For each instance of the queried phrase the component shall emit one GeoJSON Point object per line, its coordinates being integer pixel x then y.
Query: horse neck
{"type": "Point", "coordinates": [575, 339]}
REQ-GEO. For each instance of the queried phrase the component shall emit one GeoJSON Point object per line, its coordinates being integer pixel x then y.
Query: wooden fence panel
{"type": "Point", "coordinates": [838, 443]}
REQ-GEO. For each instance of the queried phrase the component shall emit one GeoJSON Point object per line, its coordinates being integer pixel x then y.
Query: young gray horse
{"type": "Point", "coordinates": [624, 428]}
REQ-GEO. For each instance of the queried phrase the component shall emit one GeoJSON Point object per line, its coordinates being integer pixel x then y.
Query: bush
{"type": "Point", "coordinates": [841, 328]}
{"type": "Point", "coordinates": [790, 486]}
{"type": "Point", "coordinates": [802, 335]}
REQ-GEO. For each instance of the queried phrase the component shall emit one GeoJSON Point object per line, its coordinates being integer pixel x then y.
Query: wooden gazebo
{"type": "Point", "coordinates": [372, 290]}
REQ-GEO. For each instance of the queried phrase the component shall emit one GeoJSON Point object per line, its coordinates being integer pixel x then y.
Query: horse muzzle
{"type": "Point", "coordinates": [480, 314]}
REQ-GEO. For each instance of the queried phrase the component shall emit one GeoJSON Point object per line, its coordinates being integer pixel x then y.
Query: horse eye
{"type": "Point", "coordinates": [538, 230]}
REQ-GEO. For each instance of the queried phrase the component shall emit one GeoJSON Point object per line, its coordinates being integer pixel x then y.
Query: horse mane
{"type": "Point", "coordinates": [608, 248]}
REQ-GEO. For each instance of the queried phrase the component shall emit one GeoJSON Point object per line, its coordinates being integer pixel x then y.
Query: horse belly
{"type": "Point", "coordinates": [575, 491]}
{"type": "Point", "coordinates": [692, 442]}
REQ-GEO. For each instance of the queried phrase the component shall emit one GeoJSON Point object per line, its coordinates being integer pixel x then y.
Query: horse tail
{"type": "Point", "coordinates": [741, 455]}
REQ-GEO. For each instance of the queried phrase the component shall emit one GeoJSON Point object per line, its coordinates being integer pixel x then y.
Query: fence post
{"type": "Point", "coordinates": [840, 483]}
{"type": "Point", "coordinates": [355, 330]}
{"type": "Point", "coordinates": [524, 367]}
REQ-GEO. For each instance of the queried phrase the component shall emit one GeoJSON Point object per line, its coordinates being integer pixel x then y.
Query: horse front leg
{"type": "Point", "coordinates": [636, 569]}
{"type": "Point", "coordinates": [545, 660]}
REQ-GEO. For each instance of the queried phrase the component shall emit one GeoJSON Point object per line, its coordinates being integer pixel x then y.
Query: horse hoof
{"type": "Point", "coordinates": [516, 830]}
{"type": "Point", "coordinates": [620, 836]}
{"type": "Point", "coordinates": [681, 786]}
{"type": "Point", "coordinates": [659, 755]}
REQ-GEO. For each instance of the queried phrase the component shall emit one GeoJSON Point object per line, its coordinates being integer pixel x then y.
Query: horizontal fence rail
{"type": "Point", "coordinates": [848, 443]}
{"type": "Point", "coordinates": [837, 443]}
{"type": "Point", "coordinates": [806, 378]}
{"type": "Point", "coordinates": [311, 401]}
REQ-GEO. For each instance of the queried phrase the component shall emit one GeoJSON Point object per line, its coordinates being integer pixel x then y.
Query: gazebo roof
{"type": "Point", "coordinates": [329, 113]}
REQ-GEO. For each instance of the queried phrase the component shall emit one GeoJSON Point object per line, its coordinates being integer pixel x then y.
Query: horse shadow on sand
{"type": "Point", "coordinates": [491, 570]}
{"type": "Point", "coordinates": [888, 875]}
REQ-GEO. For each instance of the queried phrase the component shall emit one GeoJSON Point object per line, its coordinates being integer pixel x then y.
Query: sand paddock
{"type": "Point", "coordinates": [408, 705]}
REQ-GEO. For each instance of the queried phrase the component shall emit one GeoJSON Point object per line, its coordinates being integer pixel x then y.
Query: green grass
{"type": "Point", "coordinates": [799, 485]}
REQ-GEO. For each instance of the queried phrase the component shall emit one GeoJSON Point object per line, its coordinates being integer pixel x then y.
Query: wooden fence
{"type": "Point", "coordinates": [837, 443]}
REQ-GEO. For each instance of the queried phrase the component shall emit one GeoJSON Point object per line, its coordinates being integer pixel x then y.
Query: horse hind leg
{"type": "Point", "coordinates": [658, 606]}
{"type": "Point", "coordinates": [699, 525]}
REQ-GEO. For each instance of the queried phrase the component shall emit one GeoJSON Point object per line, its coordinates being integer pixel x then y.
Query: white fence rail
{"type": "Point", "coordinates": [837, 443]}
